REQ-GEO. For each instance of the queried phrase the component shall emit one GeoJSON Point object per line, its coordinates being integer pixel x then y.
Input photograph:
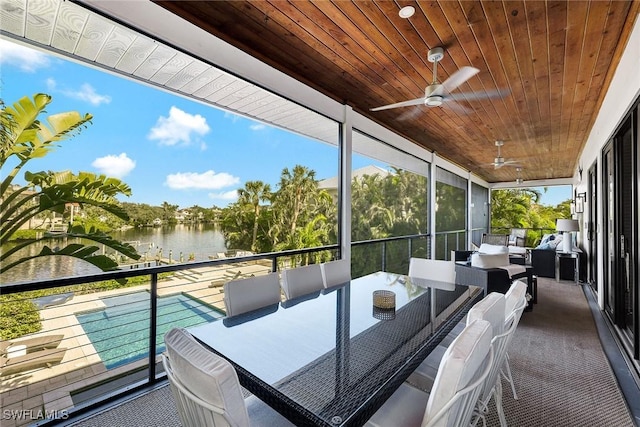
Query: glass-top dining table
{"type": "Point", "coordinates": [332, 358]}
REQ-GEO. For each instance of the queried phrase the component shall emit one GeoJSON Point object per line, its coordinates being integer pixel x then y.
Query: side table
{"type": "Point", "coordinates": [564, 257]}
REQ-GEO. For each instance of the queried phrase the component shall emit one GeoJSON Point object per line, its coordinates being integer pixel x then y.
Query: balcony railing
{"type": "Point", "coordinates": [92, 338]}
{"type": "Point", "coordinates": [534, 235]}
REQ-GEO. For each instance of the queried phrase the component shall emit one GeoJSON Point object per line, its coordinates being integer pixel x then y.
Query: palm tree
{"type": "Point", "coordinates": [169, 212]}
{"type": "Point", "coordinates": [23, 138]}
{"type": "Point", "coordinates": [297, 189]}
{"type": "Point", "coordinates": [252, 194]}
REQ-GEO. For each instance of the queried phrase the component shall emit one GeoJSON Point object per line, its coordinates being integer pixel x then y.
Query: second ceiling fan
{"type": "Point", "coordinates": [437, 94]}
{"type": "Point", "coordinates": [500, 161]}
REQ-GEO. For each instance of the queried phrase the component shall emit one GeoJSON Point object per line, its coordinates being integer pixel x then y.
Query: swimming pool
{"type": "Point", "coordinates": [120, 331]}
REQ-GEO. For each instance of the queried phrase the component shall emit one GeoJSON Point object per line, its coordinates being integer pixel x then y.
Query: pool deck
{"type": "Point", "coordinates": [51, 388]}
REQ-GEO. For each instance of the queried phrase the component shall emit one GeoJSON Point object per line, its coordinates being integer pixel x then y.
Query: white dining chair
{"type": "Point", "coordinates": [252, 293]}
{"type": "Point", "coordinates": [206, 389]}
{"type": "Point", "coordinates": [433, 269]}
{"type": "Point", "coordinates": [515, 303]}
{"type": "Point", "coordinates": [335, 273]}
{"type": "Point", "coordinates": [490, 309]}
{"type": "Point", "coordinates": [301, 281]}
{"type": "Point", "coordinates": [451, 402]}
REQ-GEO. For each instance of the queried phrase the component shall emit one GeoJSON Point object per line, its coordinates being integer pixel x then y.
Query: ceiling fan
{"type": "Point", "coordinates": [437, 94]}
{"type": "Point", "coordinates": [500, 161]}
{"type": "Point", "coordinates": [519, 179]}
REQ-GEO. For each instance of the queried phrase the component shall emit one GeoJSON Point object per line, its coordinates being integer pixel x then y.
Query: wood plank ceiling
{"type": "Point", "coordinates": [555, 59]}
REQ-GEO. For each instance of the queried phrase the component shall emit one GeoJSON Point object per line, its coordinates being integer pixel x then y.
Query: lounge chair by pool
{"type": "Point", "coordinates": [38, 359]}
{"type": "Point", "coordinates": [51, 300]}
{"type": "Point", "coordinates": [31, 344]}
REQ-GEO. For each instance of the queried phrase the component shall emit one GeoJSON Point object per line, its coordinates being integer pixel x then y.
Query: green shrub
{"type": "Point", "coordinates": [18, 317]}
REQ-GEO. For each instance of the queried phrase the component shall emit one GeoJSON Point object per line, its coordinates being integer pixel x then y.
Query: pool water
{"type": "Point", "coordinates": [120, 331]}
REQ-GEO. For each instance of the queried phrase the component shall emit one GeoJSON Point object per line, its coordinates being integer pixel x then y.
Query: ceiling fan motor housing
{"type": "Point", "coordinates": [433, 101]}
{"type": "Point", "coordinates": [435, 54]}
{"type": "Point", "coordinates": [433, 95]}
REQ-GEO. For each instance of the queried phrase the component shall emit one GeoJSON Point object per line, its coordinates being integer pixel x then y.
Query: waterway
{"type": "Point", "coordinates": [176, 242]}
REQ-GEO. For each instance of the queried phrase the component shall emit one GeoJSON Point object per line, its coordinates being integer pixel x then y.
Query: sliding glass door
{"type": "Point", "coordinates": [620, 185]}
{"type": "Point", "coordinates": [608, 271]}
{"type": "Point", "coordinates": [591, 229]}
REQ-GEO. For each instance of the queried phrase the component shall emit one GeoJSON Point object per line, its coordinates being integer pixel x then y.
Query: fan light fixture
{"type": "Point", "coordinates": [407, 12]}
{"type": "Point", "coordinates": [433, 101]}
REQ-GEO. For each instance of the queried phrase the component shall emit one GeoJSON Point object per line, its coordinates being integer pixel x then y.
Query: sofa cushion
{"type": "Point", "coordinates": [517, 250]}
{"type": "Point", "coordinates": [489, 260]}
{"type": "Point", "coordinates": [486, 248]}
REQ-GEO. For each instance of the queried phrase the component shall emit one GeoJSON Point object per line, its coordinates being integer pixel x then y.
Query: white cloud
{"type": "Point", "coordinates": [114, 166]}
{"type": "Point", "coordinates": [208, 180]}
{"type": "Point", "coordinates": [233, 117]}
{"type": "Point", "coordinates": [257, 127]}
{"type": "Point", "coordinates": [230, 195]}
{"type": "Point", "coordinates": [51, 84]}
{"type": "Point", "coordinates": [86, 93]}
{"type": "Point", "coordinates": [178, 127]}
{"type": "Point", "coordinates": [26, 59]}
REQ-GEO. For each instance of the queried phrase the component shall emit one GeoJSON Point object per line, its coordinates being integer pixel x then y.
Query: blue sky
{"type": "Point", "coordinates": [165, 147]}
{"type": "Point", "coordinates": [554, 195]}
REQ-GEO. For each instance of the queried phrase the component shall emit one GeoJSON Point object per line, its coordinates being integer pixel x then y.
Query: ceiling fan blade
{"type": "Point", "coordinates": [416, 101]}
{"type": "Point", "coordinates": [473, 96]}
{"type": "Point", "coordinates": [458, 108]}
{"type": "Point", "coordinates": [411, 113]}
{"type": "Point", "coordinates": [459, 77]}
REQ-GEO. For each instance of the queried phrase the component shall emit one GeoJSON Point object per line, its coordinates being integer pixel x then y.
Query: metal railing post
{"type": "Point", "coordinates": [384, 256]}
{"type": "Point", "coordinates": [153, 327]}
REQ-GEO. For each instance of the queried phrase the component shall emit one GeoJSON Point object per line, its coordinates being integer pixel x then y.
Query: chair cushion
{"type": "Point", "coordinates": [491, 309]}
{"type": "Point", "coordinates": [517, 250]}
{"type": "Point", "coordinates": [404, 408]}
{"type": "Point", "coordinates": [424, 375]}
{"type": "Point", "coordinates": [244, 295]}
{"type": "Point", "coordinates": [460, 365]}
{"type": "Point", "coordinates": [487, 248]}
{"type": "Point", "coordinates": [489, 260]}
{"type": "Point", "coordinates": [514, 296]}
{"type": "Point", "coordinates": [433, 269]}
{"type": "Point", "coordinates": [207, 375]}
{"type": "Point", "coordinates": [336, 273]}
{"type": "Point", "coordinates": [302, 280]}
